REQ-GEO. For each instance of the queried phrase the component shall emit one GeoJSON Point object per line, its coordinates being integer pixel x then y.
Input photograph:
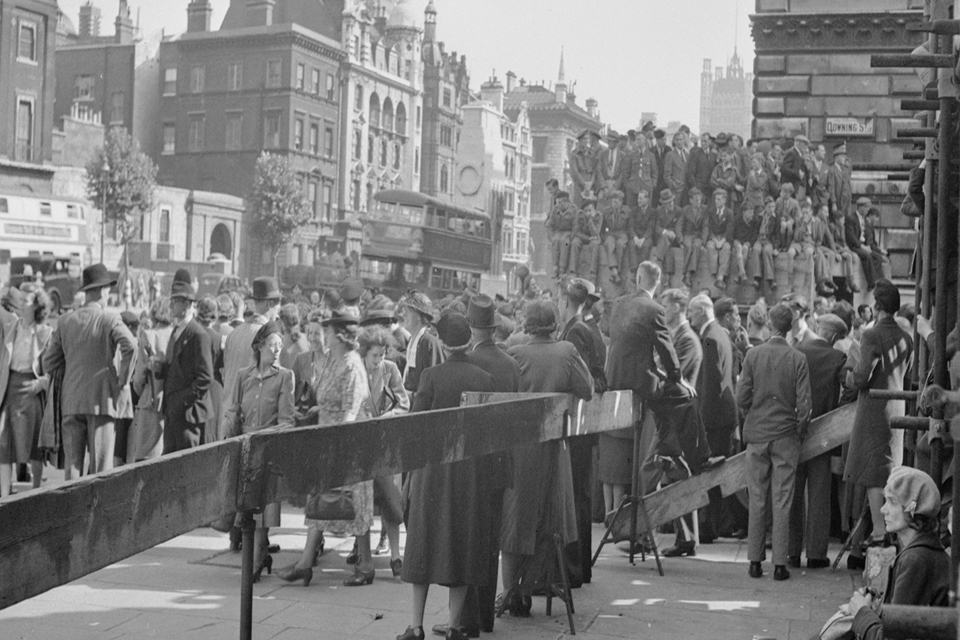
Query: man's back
{"type": "Point", "coordinates": [494, 360]}
{"type": "Point", "coordinates": [827, 371]}
{"type": "Point", "coordinates": [85, 344]}
{"type": "Point", "coordinates": [689, 352]}
{"type": "Point", "coordinates": [637, 328]}
{"type": "Point", "coordinates": [547, 366]}
{"type": "Point", "coordinates": [774, 392]}
{"type": "Point", "coordinates": [715, 388]}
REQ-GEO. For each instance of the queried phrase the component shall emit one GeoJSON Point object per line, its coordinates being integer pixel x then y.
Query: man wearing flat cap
{"type": "Point", "coordinates": [585, 165]}
{"type": "Point", "coordinates": [793, 168]}
{"type": "Point", "coordinates": [84, 346]}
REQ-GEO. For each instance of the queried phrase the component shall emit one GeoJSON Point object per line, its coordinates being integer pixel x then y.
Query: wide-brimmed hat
{"type": "Point", "coordinates": [265, 288]}
{"type": "Point", "coordinates": [721, 140]}
{"type": "Point", "coordinates": [340, 319]}
{"type": "Point", "coordinates": [659, 134]}
{"type": "Point", "coordinates": [96, 276]}
{"type": "Point", "coordinates": [666, 196]}
{"type": "Point", "coordinates": [454, 330]}
{"type": "Point", "coordinates": [481, 313]}
{"type": "Point", "coordinates": [592, 293]}
{"type": "Point", "coordinates": [420, 302]}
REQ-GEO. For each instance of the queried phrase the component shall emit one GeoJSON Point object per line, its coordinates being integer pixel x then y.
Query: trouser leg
{"type": "Point", "coordinates": [758, 483]}
{"type": "Point", "coordinates": [723, 265]}
{"type": "Point", "coordinates": [74, 445]}
{"type": "Point", "coordinates": [575, 248]}
{"type": "Point", "coordinates": [713, 257]}
{"type": "Point", "coordinates": [866, 263]}
{"type": "Point", "coordinates": [784, 457]}
{"type": "Point", "coordinates": [753, 261]}
{"type": "Point", "coordinates": [799, 512]}
{"type": "Point", "coordinates": [487, 595]}
{"type": "Point", "coordinates": [101, 437]}
{"type": "Point", "coordinates": [768, 269]}
{"type": "Point", "coordinates": [564, 253]}
{"type": "Point", "coordinates": [818, 506]}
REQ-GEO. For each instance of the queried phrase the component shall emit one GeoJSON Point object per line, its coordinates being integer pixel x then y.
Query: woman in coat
{"type": "Point", "coordinates": [146, 433]}
{"type": "Point", "coordinates": [207, 310]}
{"type": "Point", "coordinates": [448, 526]}
{"type": "Point", "coordinates": [263, 400]}
{"type": "Point", "coordinates": [22, 400]}
{"type": "Point", "coordinates": [308, 367]}
{"type": "Point", "coordinates": [387, 398]}
{"type": "Point", "coordinates": [875, 448]}
{"type": "Point", "coordinates": [920, 575]}
{"type": "Point", "coordinates": [541, 501]}
{"type": "Point", "coordinates": [341, 393]}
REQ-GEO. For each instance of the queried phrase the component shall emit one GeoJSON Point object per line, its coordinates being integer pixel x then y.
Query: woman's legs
{"type": "Point", "coordinates": [458, 596]}
{"type": "Point", "coordinates": [364, 557]}
{"type": "Point", "coordinates": [509, 565]}
{"type": "Point", "coordinates": [875, 496]}
{"type": "Point", "coordinates": [393, 535]}
{"type": "Point", "coordinates": [314, 538]}
{"type": "Point", "coordinates": [36, 468]}
{"type": "Point", "coordinates": [420, 592]}
{"type": "Point", "coordinates": [613, 496]}
{"type": "Point", "coordinates": [6, 479]}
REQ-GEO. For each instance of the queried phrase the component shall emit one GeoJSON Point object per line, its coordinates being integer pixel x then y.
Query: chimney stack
{"type": "Point", "coordinates": [123, 25]}
{"type": "Point", "coordinates": [492, 91]}
{"type": "Point", "coordinates": [89, 21]}
{"type": "Point", "coordinates": [260, 13]}
{"type": "Point", "coordinates": [198, 16]}
{"type": "Point", "coordinates": [511, 81]}
{"type": "Point", "coordinates": [593, 107]}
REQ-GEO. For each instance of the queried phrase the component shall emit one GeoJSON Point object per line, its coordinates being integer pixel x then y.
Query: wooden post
{"type": "Point", "coordinates": [247, 527]}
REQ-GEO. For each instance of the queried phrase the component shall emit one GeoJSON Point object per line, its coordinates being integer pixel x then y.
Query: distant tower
{"type": "Point", "coordinates": [706, 94]}
{"type": "Point", "coordinates": [561, 86]}
{"type": "Point", "coordinates": [123, 24]}
{"type": "Point", "coordinates": [430, 23]}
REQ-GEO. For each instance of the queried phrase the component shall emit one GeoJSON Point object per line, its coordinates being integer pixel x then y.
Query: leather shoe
{"type": "Point", "coordinates": [756, 571]}
{"type": "Point", "coordinates": [442, 629]}
{"type": "Point", "coordinates": [679, 551]}
{"type": "Point", "coordinates": [817, 563]}
{"type": "Point", "coordinates": [855, 563]}
{"type": "Point", "coordinates": [794, 561]}
{"type": "Point", "coordinates": [781, 573]}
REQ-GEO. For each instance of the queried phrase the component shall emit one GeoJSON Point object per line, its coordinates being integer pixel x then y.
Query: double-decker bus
{"type": "Point", "coordinates": [414, 241]}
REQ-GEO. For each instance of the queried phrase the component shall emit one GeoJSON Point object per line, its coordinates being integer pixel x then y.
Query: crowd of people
{"type": "Point", "coordinates": [737, 206]}
{"type": "Point", "coordinates": [99, 389]}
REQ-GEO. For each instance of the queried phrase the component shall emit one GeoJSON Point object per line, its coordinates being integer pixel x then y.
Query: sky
{"type": "Point", "coordinates": [632, 56]}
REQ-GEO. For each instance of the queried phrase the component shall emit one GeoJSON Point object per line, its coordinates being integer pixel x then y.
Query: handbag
{"type": "Point", "coordinates": [336, 504]}
{"type": "Point", "coordinates": [838, 627]}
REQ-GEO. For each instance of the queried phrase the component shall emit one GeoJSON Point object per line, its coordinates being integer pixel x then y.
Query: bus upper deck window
{"type": "Point", "coordinates": [441, 220]}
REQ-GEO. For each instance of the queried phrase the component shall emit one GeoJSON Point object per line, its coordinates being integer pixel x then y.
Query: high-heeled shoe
{"type": "Point", "coordinates": [292, 574]}
{"type": "Point", "coordinates": [266, 563]}
{"type": "Point", "coordinates": [360, 578]}
{"type": "Point", "coordinates": [396, 566]}
{"type": "Point", "coordinates": [412, 634]}
{"type": "Point", "coordinates": [354, 555]}
{"type": "Point", "coordinates": [382, 546]}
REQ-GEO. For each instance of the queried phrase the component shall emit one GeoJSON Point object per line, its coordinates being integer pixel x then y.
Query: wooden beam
{"type": "Point", "coordinates": [680, 498]}
{"type": "Point", "coordinates": [612, 410]}
{"type": "Point", "coordinates": [53, 536]}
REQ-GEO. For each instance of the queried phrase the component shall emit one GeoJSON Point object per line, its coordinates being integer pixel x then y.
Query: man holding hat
{"type": "Point", "coordinates": [585, 165]}
{"type": "Point", "coordinates": [793, 167]}
{"type": "Point", "coordinates": [84, 346]}
{"type": "Point", "coordinates": [186, 371]}
{"type": "Point", "coordinates": [237, 352]}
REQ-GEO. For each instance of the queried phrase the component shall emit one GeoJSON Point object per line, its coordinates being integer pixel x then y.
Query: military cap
{"type": "Point", "coordinates": [648, 126]}
{"type": "Point", "coordinates": [659, 134]}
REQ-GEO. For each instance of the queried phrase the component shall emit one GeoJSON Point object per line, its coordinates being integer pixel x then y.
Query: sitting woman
{"type": "Point", "coordinates": [921, 572]}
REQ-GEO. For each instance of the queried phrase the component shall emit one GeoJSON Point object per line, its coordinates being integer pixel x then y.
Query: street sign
{"type": "Point", "coordinates": [861, 127]}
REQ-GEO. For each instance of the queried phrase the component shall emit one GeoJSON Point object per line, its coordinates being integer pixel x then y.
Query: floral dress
{"type": "Point", "coordinates": [342, 394]}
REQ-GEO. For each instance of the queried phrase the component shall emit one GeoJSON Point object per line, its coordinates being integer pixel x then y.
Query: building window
{"type": "Point", "coordinates": [444, 178]}
{"type": "Point", "coordinates": [371, 148]}
{"type": "Point", "coordinates": [447, 97]}
{"type": "Point", "coordinates": [83, 88]}
{"type": "Point", "coordinates": [446, 136]}
{"type": "Point", "coordinates": [170, 82]}
{"type": "Point", "coordinates": [328, 142]}
{"type": "Point", "coordinates": [117, 108]}
{"type": "Point", "coordinates": [383, 153]}
{"type": "Point", "coordinates": [401, 127]}
{"type": "Point", "coordinates": [165, 225]}
{"type": "Point", "coordinates": [397, 153]}
{"type": "Point", "coordinates": [312, 198]}
{"type": "Point", "coordinates": [358, 98]}
{"type": "Point", "coordinates": [273, 73]}
{"type": "Point", "coordinates": [195, 142]}
{"type": "Point", "coordinates": [197, 76]}
{"type": "Point", "coordinates": [169, 138]}
{"type": "Point", "coordinates": [408, 69]}
{"type": "Point", "coordinates": [235, 76]}
{"type": "Point", "coordinates": [27, 48]}
{"type": "Point", "coordinates": [24, 144]}
{"type": "Point", "coordinates": [271, 130]}
{"type": "Point", "coordinates": [416, 160]}
{"type": "Point", "coordinates": [298, 134]}
{"type": "Point", "coordinates": [357, 145]}
{"type": "Point", "coordinates": [356, 195]}
{"type": "Point", "coordinates": [374, 111]}
{"type": "Point", "coordinates": [328, 203]}
{"type": "Point", "coordinates": [301, 76]}
{"type": "Point", "coordinates": [419, 117]}
{"type": "Point", "coordinates": [315, 81]}
{"type": "Point", "coordinates": [314, 139]}
{"type": "Point", "coordinates": [331, 88]}
{"type": "Point", "coordinates": [234, 132]}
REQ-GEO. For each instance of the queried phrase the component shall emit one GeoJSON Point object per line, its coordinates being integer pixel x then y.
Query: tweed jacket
{"type": "Point", "coordinates": [774, 392]}
{"type": "Point", "coordinates": [638, 330]}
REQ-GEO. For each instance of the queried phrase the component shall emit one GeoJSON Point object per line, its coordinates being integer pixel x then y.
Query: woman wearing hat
{"type": "Point", "coordinates": [307, 369]}
{"type": "Point", "coordinates": [342, 395]}
{"type": "Point", "coordinates": [263, 399]}
{"type": "Point", "coordinates": [449, 509]}
{"type": "Point", "coordinates": [920, 575]}
{"type": "Point", "coordinates": [423, 350]}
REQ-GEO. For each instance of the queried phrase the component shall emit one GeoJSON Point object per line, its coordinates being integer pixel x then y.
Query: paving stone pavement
{"type": "Point", "coordinates": [188, 589]}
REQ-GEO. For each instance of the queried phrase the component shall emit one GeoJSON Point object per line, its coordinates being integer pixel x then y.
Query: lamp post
{"type": "Point", "coordinates": [104, 173]}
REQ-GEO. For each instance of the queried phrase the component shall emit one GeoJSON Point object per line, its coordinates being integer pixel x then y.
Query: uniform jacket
{"type": "Point", "coordinates": [691, 221]}
{"type": "Point", "coordinates": [562, 218]}
{"type": "Point", "coordinates": [641, 172]}
{"type": "Point", "coordinates": [548, 366]}
{"type": "Point", "coordinates": [638, 330]}
{"type": "Point", "coordinates": [700, 166]}
{"type": "Point", "coordinates": [828, 368]}
{"type": "Point", "coordinates": [790, 167]}
{"type": "Point", "coordinates": [187, 377]}
{"type": "Point", "coordinates": [616, 221]}
{"type": "Point", "coordinates": [716, 393]}
{"type": "Point", "coordinates": [8, 334]}
{"type": "Point", "coordinates": [774, 392]}
{"type": "Point", "coordinates": [586, 227]}
{"type": "Point", "coordinates": [839, 190]}
{"type": "Point", "coordinates": [84, 346]}
{"type": "Point", "coordinates": [585, 167]}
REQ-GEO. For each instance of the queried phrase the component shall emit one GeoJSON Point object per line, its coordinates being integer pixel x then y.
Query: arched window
{"type": "Point", "coordinates": [401, 119]}
{"type": "Point", "coordinates": [383, 153]}
{"type": "Point", "coordinates": [374, 110]}
{"type": "Point", "coordinates": [387, 122]}
{"type": "Point", "coordinates": [444, 178]}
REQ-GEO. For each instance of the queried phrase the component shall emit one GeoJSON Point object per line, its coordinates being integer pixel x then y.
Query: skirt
{"type": "Point", "coordinates": [20, 421]}
{"type": "Point", "coordinates": [362, 506]}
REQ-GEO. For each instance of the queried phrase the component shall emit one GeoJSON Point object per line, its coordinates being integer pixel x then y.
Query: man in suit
{"type": "Point", "coordinates": [810, 513]}
{"type": "Point", "coordinates": [793, 168]}
{"type": "Point", "coordinates": [638, 330]}
{"type": "Point", "coordinates": [774, 396]}
{"type": "Point", "coordinates": [480, 608]}
{"type": "Point", "coordinates": [839, 189]}
{"type": "Point", "coordinates": [717, 398]}
{"type": "Point", "coordinates": [186, 371]}
{"type": "Point", "coordinates": [660, 151]}
{"type": "Point", "coordinates": [859, 234]}
{"type": "Point", "coordinates": [85, 345]}
{"type": "Point", "coordinates": [700, 164]}
{"type": "Point", "coordinates": [676, 167]}
{"type": "Point", "coordinates": [819, 177]}
{"type": "Point", "coordinates": [614, 161]}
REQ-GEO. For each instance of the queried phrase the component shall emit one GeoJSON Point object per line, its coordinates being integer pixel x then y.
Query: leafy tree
{"type": "Point", "coordinates": [121, 179]}
{"type": "Point", "coordinates": [277, 203]}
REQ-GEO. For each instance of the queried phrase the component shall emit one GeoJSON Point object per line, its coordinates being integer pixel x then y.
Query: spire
{"type": "Point", "coordinates": [561, 76]}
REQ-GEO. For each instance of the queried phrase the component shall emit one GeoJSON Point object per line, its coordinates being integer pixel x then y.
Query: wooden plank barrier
{"type": "Point", "coordinates": [50, 537]}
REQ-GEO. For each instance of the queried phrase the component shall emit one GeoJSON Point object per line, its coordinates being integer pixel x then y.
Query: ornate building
{"type": "Point", "coordinates": [555, 121]}
{"type": "Point", "coordinates": [381, 115]}
{"type": "Point", "coordinates": [726, 99]}
{"type": "Point", "coordinates": [493, 171]}
{"type": "Point", "coordinates": [446, 89]}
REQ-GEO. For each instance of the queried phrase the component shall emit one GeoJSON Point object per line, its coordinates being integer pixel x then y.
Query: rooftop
{"type": "Point", "coordinates": [540, 98]}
